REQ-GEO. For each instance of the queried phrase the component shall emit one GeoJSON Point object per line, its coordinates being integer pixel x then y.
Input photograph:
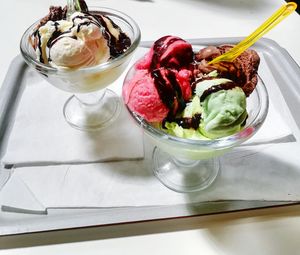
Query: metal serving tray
{"type": "Point", "coordinates": [284, 69]}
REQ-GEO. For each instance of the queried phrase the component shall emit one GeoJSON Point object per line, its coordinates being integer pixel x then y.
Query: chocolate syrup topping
{"type": "Point", "coordinates": [83, 6]}
{"type": "Point", "coordinates": [40, 47]}
{"type": "Point", "coordinates": [118, 45]}
{"type": "Point", "coordinates": [216, 88]}
{"type": "Point", "coordinates": [164, 89]}
{"type": "Point", "coordinates": [189, 122]}
{"type": "Point", "coordinates": [169, 90]}
{"type": "Point", "coordinates": [177, 89]}
{"type": "Point", "coordinates": [54, 36]}
{"type": "Point", "coordinates": [203, 78]}
{"type": "Point", "coordinates": [159, 48]}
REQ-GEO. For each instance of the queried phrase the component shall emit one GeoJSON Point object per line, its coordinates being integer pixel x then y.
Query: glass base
{"type": "Point", "coordinates": [86, 113]}
{"type": "Point", "coordinates": [184, 175]}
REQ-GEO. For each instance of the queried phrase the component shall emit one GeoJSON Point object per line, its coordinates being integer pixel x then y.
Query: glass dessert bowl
{"type": "Point", "coordinates": [92, 106]}
{"type": "Point", "coordinates": [187, 165]}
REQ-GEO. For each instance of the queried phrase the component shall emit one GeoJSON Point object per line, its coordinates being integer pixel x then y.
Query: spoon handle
{"type": "Point", "coordinates": [271, 22]}
{"type": "Point", "coordinates": [72, 6]}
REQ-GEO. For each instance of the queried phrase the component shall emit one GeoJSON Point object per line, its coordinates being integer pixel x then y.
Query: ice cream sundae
{"type": "Point", "coordinates": [83, 39]}
{"type": "Point", "coordinates": [177, 91]}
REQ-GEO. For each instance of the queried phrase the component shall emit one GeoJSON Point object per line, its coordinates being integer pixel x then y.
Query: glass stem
{"type": "Point", "coordinates": [90, 99]}
{"type": "Point", "coordinates": [185, 162]}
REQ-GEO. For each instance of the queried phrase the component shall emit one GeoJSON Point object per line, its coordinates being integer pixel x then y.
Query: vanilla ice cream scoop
{"type": "Point", "coordinates": [87, 47]}
{"type": "Point", "coordinates": [83, 40]}
{"type": "Point", "coordinates": [69, 52]}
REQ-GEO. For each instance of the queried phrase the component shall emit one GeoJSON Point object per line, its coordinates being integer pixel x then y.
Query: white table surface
{"type": "Point", "coordinates": [265, 231]}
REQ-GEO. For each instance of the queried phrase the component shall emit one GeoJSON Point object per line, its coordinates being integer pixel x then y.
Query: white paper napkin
{"type": "Point", "coordinates": [16, 196]}
{"type": "Point", "coordinates": [41, 135]}
{"type": "Point", "coordinates": [269, 172]}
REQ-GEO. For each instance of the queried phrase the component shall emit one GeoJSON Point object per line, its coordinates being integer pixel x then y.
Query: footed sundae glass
{"type": "Point", "coordinates": [92, 106]}
{"type": "Point", "coordinates": [186, 165]}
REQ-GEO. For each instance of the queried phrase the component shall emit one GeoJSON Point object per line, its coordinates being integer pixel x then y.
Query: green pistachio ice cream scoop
{"type": "Point", "coordinates": [223, 111]}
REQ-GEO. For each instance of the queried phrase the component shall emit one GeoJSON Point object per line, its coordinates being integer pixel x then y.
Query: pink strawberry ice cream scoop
{"type": "Point", "coordinates": [161, 85]}
{"type": "Point", "coordinates": [159, 93]}
{"type": "Point", "coordinates": [141, 96]}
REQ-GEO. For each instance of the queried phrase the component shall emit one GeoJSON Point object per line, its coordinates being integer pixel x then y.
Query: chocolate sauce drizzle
{"type": "Point", "coordinates": [164, 89]}
{"type": "Point", "coordinates": [192, 122]}
{"type": "Point", "coordinates": [216, 88]}
{"type": "Point", "coordinates": [165, 81]}
{"type": "Point", "coordinates": [40, 47]}
{"type": "Point", "coordinates": [118, 45]}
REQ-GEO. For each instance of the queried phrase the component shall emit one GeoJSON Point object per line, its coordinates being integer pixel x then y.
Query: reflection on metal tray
{"type": "Point", "coordinates": [285, 71]}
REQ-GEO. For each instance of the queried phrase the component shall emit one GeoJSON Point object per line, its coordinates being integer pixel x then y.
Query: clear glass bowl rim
{"type": "Point", "coordinates": [220, 143]}
{"type": "Point", "coordinates": [44, 68]}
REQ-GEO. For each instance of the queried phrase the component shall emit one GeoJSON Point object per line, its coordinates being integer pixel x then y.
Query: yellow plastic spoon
{"type": "Point", "coordinates": [271, 22]}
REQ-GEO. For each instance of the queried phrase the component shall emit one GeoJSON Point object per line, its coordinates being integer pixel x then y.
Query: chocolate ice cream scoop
{"type": "Point", "coordinates": [243, 70]}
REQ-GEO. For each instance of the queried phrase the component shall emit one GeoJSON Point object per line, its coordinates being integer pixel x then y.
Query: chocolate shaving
{"type": "Point", "coordinates": [55, 13]}
{"type": "Point", "coordinates": [59, 13]}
